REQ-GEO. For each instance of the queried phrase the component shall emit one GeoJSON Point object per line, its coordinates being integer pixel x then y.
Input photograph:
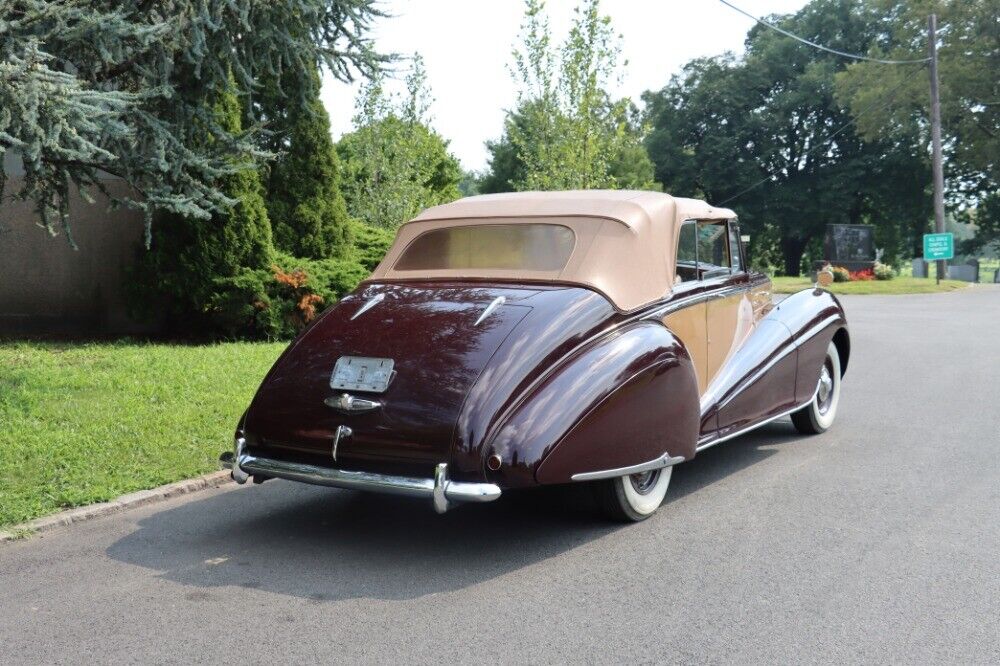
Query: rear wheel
{"type": "Point", "coordinates": [818, 415]}
{"type": "Point", "coordinates": [635, 497]}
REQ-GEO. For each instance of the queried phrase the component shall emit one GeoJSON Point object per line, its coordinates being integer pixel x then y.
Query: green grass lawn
{"type": "Point", "coordinates": [83, 423]}
{"type": "Point", "coordinates": [898, 285]}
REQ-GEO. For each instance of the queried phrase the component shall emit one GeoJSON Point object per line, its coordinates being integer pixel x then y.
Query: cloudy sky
{"type": "Point", "coordinates": [466, 46]}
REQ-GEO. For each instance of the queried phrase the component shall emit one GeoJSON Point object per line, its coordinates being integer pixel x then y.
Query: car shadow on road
{"type": "Point", "coordinates": [325, 544]}
{"type": "Point", "coordinates": [719, 462]}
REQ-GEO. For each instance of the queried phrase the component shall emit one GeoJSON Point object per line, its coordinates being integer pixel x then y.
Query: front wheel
{"type": "Point", "coordinates": [818, 415]}
{"type": "Point", "coordinates": [635, 497]}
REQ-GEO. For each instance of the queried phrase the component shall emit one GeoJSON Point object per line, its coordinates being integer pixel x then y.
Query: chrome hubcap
{"type": "Point", "coordinates": [643, 482]}
{"type": "Point", "coordinates": [824, 391]}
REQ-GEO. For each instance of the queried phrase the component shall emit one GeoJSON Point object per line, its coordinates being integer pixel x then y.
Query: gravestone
{"type": "Point", "coordinates": [919, 268]}
{"type": "Point", "coordinates": [964, 272]}
{"type": "Point", "coordinates": [849, 245]}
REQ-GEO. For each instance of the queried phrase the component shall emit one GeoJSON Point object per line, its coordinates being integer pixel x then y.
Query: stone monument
{"type": "Point", "coordinates": [849, 245]}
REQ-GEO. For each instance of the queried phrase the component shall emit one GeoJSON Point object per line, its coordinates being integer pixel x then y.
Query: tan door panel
{"type": "Point", "coordinates": [730, 321]}
{"type": "Point", "coordinates": [689, 325]}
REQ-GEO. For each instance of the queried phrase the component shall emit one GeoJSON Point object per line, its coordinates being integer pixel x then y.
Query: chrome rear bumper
{"type": "Point", "coordinates": [440, 489]}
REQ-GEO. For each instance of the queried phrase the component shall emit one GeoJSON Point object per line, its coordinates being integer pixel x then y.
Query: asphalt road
{"type": "Point", "coordinates": [878, 541]}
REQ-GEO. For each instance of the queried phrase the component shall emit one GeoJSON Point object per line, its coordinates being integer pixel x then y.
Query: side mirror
{"type": "Point", "coordinates": [824, 278]}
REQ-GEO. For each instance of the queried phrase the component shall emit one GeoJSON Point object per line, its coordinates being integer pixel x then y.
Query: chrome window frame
{"type": "Point", "coordinates": [730, 223]}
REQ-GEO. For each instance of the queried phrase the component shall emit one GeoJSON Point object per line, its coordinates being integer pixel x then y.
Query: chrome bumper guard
{"type": "Point", "coordinates": [440, 489]}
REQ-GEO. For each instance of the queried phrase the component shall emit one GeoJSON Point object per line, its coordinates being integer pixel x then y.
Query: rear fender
{"type": "Point", "coordinates": [624, 400]}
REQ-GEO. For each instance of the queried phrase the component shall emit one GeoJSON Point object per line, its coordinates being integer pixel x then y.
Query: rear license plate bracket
{"type": "Point", "coordinates": [362, 373]}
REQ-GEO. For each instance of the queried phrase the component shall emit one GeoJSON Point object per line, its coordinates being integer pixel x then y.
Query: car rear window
{"type": "Point", "coordinates": [527, 247]}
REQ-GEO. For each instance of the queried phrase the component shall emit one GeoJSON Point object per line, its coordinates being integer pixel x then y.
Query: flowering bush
{"type": "Point", "coordinates": [883, 272]}
{"type": "Point", "coordinates": [862, 275]}
{"type": "Point", "coordinates": [841, 274]}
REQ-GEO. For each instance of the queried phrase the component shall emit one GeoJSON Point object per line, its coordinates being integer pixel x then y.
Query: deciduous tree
{"type": "Point", "coordinates": [566, 131]}
{"type": "Point", "coordinates": [969, 59]}
{"type": "Point", "coordinates": [394, 164]}
{"type": "Point", "coordinates": [764, 133]}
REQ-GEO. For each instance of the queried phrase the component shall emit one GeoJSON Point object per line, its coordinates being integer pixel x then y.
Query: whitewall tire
{"type": "Point", "coordinates": [818, 415]}
{"type": "Point", "coordinates": [635, 497]}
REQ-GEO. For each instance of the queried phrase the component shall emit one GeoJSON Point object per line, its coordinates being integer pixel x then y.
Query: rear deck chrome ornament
{"type": "Point", "coordinates": [342, 432]}
{"type": "Point", "coordinates": [497, 302]}
{"type": "Point", "coordinates": [372, 302]}
{"type": "Point", "coordinates": [348, 404]}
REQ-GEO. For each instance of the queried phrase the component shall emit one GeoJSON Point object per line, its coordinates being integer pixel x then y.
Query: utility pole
{"type": "Point", "coordinates": [938, 167]}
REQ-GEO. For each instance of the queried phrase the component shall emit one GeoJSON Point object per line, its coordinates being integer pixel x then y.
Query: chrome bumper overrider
{"type": "Point", "coordinates": [441, 490]}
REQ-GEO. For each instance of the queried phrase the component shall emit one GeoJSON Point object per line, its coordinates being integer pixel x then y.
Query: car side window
{"type": "Point", "coordinates": [713, 249]}
{"type": "Point", "coordinates": [734, 247]}
{"type": "Point", "coordinates": [687, 252]}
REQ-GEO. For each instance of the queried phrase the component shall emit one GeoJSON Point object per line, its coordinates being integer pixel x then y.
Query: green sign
{"type": "Point", "coordinates": [939, 246]}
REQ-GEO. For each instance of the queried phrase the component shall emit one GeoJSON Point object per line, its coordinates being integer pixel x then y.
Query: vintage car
{"type": "Point", "coordinates": [516, 340]}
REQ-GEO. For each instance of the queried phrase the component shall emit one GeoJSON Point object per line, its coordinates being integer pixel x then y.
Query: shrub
{"type": "Point", "coordinates": [278, 302]}
{"type": "Point", "coordinates": [841, 274]}
{"type": "Point", "coordinates": [883, 272]}
{"type": "Point", "coordinates": [297, 290]}
{"type": "Point", "coordinates": [863, 275]}
{"type": "Point", "coordinates": [370, 243]}
{"type": "Point", "coordinates": [262, 303]}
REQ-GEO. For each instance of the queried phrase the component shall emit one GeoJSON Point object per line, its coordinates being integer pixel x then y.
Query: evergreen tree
{"type": "Point", "coordinates": [124, 87]}
{"type": "Point", "coordinates": [194, 268]}
{"type": "Point", "coordinates": [304, 201]}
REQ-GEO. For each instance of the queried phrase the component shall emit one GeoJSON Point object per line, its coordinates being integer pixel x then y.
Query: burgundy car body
{"type": "Point", "coordinates": [504, 383]}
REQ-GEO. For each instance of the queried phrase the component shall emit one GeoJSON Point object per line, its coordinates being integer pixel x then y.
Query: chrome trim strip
{"type": "Point", "coordinates": [372, 302]}
{"type": "Point", "coordinates": [663, 461]}
{"type": "Point", "coordinates": [815, 330]}
{"type": "Point", "coordinates": [695, 299]}
{"type": "Point", "coordinates": [726, 438]}
{"type": "Point", "coordinates": [441, 490]}
{"type": "Point", "coordinates": [348, 404]}
{"type": "Point", "coordinates": [497, 302]}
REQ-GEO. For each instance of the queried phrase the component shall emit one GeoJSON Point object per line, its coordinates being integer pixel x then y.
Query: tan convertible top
{"type": "Point", "coordinates": [625, 240]}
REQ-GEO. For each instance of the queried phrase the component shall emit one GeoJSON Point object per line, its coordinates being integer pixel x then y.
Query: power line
{"type": "Point", "coordinates": [829, 141]}
{"type": "Point", "coordinates": [820, 46]}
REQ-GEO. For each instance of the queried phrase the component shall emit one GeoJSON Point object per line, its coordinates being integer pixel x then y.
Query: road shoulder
{"type": "Point", "coordinates": [119, 504]}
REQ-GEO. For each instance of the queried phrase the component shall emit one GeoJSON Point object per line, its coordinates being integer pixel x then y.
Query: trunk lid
{"type": "Point", "coordinates": [438, 349]}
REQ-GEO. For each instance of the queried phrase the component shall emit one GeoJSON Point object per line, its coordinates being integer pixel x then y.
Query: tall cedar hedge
{"type": "Point", "coordinates": [192, 264]}
{"type": "Point", "coordinates": [304, 199]}
{"type": "Point", "coordinates": [223, 278]}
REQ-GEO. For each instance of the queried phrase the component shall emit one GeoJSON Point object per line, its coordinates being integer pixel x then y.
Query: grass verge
{"type": "Point", "coordinates": [85, 423]}
{"type": "Point", "coordinates": [898, 285]}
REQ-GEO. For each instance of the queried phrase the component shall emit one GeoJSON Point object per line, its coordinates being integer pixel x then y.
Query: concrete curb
{"type": "Point", "coordinates": [123, 503]}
